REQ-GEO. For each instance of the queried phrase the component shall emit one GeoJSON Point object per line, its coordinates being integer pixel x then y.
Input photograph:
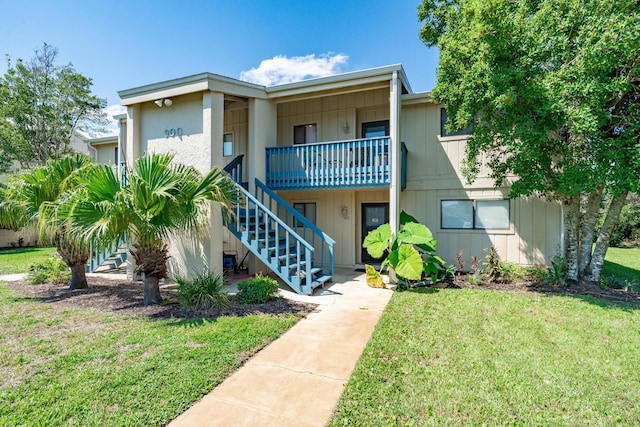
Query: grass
{"type": "Point", "coordinates": [623, 263]}
{"type": "Point", "coordinates": [69, 367]}
{"type": "Point", "coordinates": [18, 260]}
{"type": "Point", "coordinates": [474, 357]}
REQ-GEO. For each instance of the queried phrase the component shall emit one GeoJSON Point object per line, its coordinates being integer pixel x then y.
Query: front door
{"type": "Point", "coordinates": [373, 216]}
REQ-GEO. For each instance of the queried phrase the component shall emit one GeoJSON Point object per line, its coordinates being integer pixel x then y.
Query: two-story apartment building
{"type": "Point", "coordinates": [323, 162]}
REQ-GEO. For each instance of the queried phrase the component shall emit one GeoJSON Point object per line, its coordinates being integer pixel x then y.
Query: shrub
{"type": "Point", "coordinates": [627, 228]}
{"type": "Point", "coordinates": [258, 289]}
{"type": "Point", "coordinates": [204, 291]}
{"type": "Point", "coordinates": [52, 270]}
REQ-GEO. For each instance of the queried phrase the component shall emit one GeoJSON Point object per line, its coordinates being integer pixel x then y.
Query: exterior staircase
{"type": "Point", "coordinates": [284, 240]}
{"type": "Point", "coordinates": [110, 256]}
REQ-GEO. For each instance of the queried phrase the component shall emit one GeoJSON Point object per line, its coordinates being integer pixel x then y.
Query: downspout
{"type": "Point", "coordinates": [95, 150]}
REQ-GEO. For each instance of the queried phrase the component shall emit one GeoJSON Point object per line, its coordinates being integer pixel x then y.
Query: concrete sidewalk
{"type": "Point", "coordinates": [297, 379]}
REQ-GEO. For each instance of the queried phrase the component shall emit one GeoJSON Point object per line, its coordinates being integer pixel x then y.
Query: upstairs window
{"type": "Point", "coordinates": [475, 214]}
{"type": "Point", "coordinates": [375, 129]}
{"type": "Point", "coordinates": [443, 126]}
{"type": "Point", "coordinates": [227, 145]}
{"type": "Point", "coordinates": [305, 134]}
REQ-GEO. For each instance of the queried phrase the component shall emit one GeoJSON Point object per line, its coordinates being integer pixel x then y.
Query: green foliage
{"type": "Point", "coordinates": [410, 255]}
{"type": "Point", "coordinates": [41, 105]}
{"type": "Point", "coordinates": [492, 265]}
{"type": "Point", "coordinates": [257, 290]}
{"type": "Point", "coordinates": [161, 199]}
{"type": "Point", "coordinates": [556, 274]}
{"type": "Point", "coordinates": [551, 88]}
{"type": "Point", "coordinates": [51, 270]}
{"type": "Point", "coordinates": [374, 278]}
{"type": "Point", "coordinates": [18, 260]}
{"type": "Point", "coordinates": [627, 228]}
{"type": "Point", "coordinates": [205, 291]}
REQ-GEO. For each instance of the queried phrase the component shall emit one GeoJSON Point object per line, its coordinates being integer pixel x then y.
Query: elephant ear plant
{"type": "Point", "coordinates": [410, 255]}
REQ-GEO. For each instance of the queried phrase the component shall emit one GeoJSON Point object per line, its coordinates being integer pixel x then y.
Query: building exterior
{"type": "Point", "coordinates": [347, 152]}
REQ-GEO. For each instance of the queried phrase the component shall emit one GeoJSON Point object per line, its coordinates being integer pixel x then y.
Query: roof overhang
{"type": "Point", "coordinates": [191, 84]}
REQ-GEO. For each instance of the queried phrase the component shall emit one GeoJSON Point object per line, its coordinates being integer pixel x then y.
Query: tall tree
{"type": "Point", "coordinates": [41, 105]}
{"type": "Point", "coordinates": [161, 199]}
{"type": "Point", "coordinates": [553, 89]}
{"type": "Point", "coordinates": [37, 198]}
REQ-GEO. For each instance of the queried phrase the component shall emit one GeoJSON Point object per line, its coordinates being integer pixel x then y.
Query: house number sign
{"type": "Point", "coordinates": [173, 132]}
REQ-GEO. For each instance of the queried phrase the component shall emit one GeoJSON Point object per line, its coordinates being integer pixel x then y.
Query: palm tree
{"type": "Point", "coordinates": [36, 197]}
{"type": "Point", "coordinates": [161, 199]}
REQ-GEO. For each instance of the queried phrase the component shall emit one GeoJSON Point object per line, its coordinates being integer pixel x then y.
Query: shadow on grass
{"type": "Point", "coordinates": [619, 271]}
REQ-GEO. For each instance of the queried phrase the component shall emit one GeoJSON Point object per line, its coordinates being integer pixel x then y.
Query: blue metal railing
{"type": "Point", "coordinates": [340, 164]}
{"type": "Point", "coordinates": [99, 253]}
{"type": "Point", "coordinates": [319, 240]}
{"type": "Point", "coordinates": [234, 169]}
{"type": "Point", "coordinates": [273, 242]}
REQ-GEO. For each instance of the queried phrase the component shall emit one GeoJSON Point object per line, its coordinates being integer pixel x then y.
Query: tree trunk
{"type": "Point", "coordinates": [594, 269]}
{"type": "Point", "coordinates": [588, 229]}
{"type": "Point", "coordinates": [78, 277]}
{"type": "Point", "coordinates": [152, 290]}
{"type": "Point", "coordinates": [571, 237]}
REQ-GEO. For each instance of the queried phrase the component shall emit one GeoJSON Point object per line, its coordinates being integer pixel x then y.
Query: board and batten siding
{"type": "Point", "coordinates": [433, 175]}
{"type": "Point", "coordinates": [331, 112]}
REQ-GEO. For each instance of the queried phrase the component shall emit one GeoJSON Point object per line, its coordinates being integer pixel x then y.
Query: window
{"type": "Point", "coordinates": [305, 134]}
{"type": "Point", "coordinates": [227, 145]}
{"type": "Point", "coordinates": [375, 129]}
{"type": "Point", "coordinates": [474, 214]}
{"type": "Point", "coordinates": [308, 210]}
{"type": "Point", "coordinates": [443, 127]}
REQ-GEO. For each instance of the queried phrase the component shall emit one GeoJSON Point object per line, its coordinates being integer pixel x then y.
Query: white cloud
{"type": "Point", "coordinates": [281, 69]}
{"type": "Point", "coordinates": [113, 110]}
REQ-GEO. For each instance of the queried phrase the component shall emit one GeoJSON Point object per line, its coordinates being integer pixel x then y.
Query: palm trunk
{"type": "Point", "coordinates": [152, 290]}
{"type": "Point", "coordinates": [571, 237]}
{"type": "Point", "coordinates": [78, 276]}
{"type": "Point", "coordinates": [594, 270]}
{"type": "Point", "coordinates": [588, 231]}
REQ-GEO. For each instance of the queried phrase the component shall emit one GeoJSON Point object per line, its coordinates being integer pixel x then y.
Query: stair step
{"type": "Point", "coordinates": [320, 281]}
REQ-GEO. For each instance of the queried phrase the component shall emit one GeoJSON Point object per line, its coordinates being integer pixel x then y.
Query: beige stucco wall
{"type": "Point", "coordinates": [433, 174]}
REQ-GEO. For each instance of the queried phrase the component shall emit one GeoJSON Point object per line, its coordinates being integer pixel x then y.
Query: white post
{"type": "Point", "coordinates": [394, 154]}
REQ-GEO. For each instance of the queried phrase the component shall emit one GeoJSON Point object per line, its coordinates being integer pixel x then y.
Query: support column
{"type": "Point", "coordinates": [213, 129]}
{"type": "Point", "coordinates": [395, 155]}
{"type": "Point", "coordinates": [132, 145]}
{"type": "Point", "coordinates": [263, 119]}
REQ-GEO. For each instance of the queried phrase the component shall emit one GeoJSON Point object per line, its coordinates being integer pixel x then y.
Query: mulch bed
{"type": "Point", "coordinates": [536, 285]}
{"type": "Point", "coordinates": [125, 297]}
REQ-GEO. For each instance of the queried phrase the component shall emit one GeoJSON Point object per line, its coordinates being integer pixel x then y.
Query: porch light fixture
{"type": "Point", "coordinates": [345, 212]}
{"type": "Point", "coordinates": [166, 102]}
{"type": "Point", "coordinates": [345, 127]}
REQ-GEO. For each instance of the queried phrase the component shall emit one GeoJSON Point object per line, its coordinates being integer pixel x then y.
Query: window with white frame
{"type": "Point", "coordinates": [475, 214]}
{"type": "Point", "coordinates": [227, 145]}
{"type": "Point", "coordinates": [305, 134]}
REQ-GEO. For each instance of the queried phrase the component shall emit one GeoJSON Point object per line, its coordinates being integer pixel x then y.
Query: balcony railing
{"type": "Point", "coordinates": [341, 164]}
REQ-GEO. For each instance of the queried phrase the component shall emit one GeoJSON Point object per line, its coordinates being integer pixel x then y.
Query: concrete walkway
{"type": "Point", "coordinates": [297, 379]}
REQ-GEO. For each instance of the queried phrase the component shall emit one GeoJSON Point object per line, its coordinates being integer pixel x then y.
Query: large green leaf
{"type": "Point", "coordinates": [406, 262]}
{"type": "Point", "coordinates": [417, 234]}
{"type": "Point", "coordinates": [377, 241]}
{"type": "Point", "coordinates": [405, 218]}
{"type": "Point", "coordinates": [374, 279]}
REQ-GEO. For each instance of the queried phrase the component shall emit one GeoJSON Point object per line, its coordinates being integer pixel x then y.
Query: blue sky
{"type": "Point", "coordinates": [124, 44]}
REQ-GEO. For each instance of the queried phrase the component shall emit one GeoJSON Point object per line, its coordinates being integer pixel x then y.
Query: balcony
{"type": "Point", "coordinates": [362, 163]}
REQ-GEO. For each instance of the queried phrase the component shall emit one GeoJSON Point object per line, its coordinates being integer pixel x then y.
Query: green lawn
{"type": "Point", "coordinates": [622, 263]}
{"type": "Point", "coordinates": [78, 367]}
{"type": "Point", "coordinates": [18, 260]}
{"type": "Point", "coordinates": [474, 357]}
